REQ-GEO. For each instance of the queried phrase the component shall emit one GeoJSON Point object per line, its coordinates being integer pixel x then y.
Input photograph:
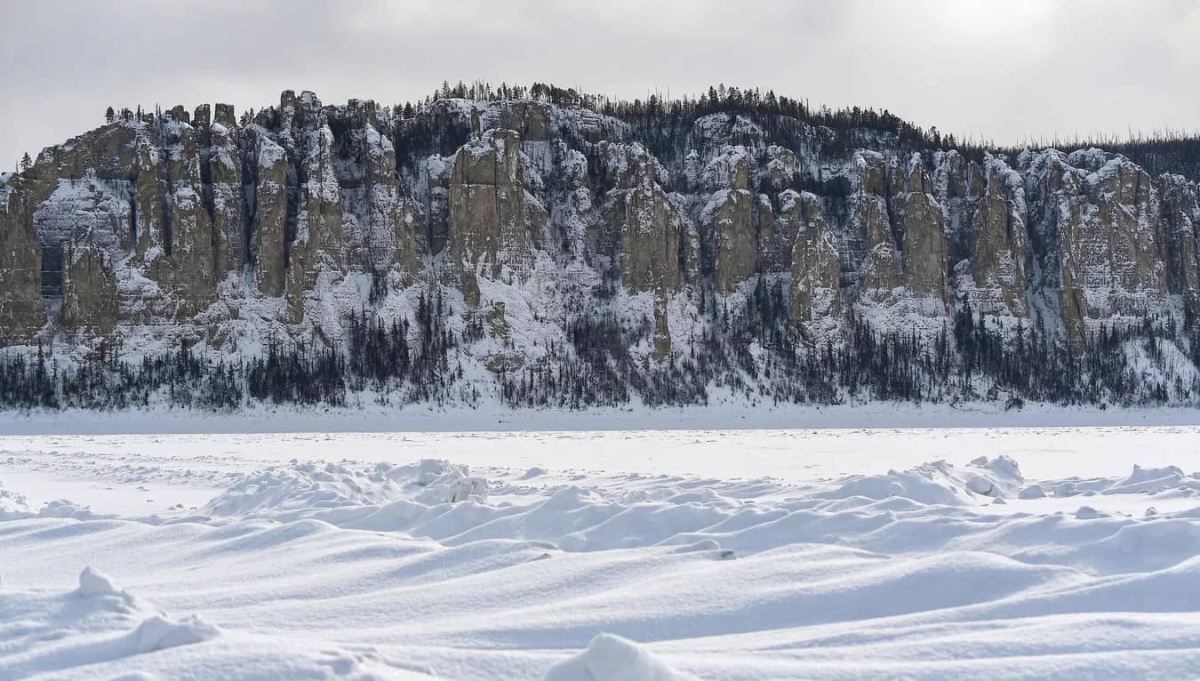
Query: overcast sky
{"type": "Point", "coordinates": [996, 69]}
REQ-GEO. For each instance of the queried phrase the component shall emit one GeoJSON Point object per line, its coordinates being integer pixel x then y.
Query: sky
{"type": "Point", "coordinates": [999, 70]}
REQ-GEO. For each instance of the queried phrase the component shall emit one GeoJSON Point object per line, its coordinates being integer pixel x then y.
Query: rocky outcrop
{"type": "Point", "coordinates": [728, 217]}
{"type": "Point", "coordinates": [379, 223]}
{"type": "Point", "coordinates": [22, 311]}
{"type": "Point", "coordinates": [284, 225]}
{"type": "Point", "coordinates": [493, 219]}
{"type": "Point", "coordinates": [314, 229]}
{"type": "Point", "coordinates": [89, 301]}
{"type": "Point", "coordinates": [648, 224]}
{"type": "Point", "coordinates": [224, 193]}
{"type": "Point", "coordinates": [734, 244]}
{"type": "Point", "coordinates": [187, 235]}
{"type": "Point", "coordinates": [1180, 210]}
{"type": "Point", "coordinates": [870, 219]}
{"type": "Point", "coordinates": [1100, 218]}
{"type": "Point", "coordinates": [998, 242]}
{"type": "Point", "coordinates": [815, 268]}
{"type": "Point", "coordinates": [920, 222]}
{"type": "Point", "coordinates": [268, 212]}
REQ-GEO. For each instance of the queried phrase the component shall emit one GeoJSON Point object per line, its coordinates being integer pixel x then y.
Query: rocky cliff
{"type": "Point", "coordinates": [203, 231]}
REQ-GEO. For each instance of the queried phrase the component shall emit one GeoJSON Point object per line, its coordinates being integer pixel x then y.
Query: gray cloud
{"type": "Point", "coordinates": [1003, 70]}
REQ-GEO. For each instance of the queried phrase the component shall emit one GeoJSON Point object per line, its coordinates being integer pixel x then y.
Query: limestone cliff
{"type": "Point", "coordinates": [239, 231]}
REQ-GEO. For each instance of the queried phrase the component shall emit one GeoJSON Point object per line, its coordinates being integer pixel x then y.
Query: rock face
{"type": "Point", "coordinates": [378, 220]}
{"type": "Point", "coordinates": [647, 222]}
{"type": "Point", "coordinates": [1180, 221]}
{"type": "Point", "coordinates": [815, 268]}
{"type": "Point", "coordinates": [493, 219]}
{"type": "Point", "coordinates": [269, 213]}
{"type": "Point", "coordinates": [224, 193]}
{"type": "Point", "coordinates": [22, 312]}
{"type": "Point", "coordinates": [729, 218]}
{"type": "Point", "coordinates": [922, 225]}
{"type": "Point", "coordinates": [996, 234]}
{"type": "Point", "coordinates": [89, 304]}
{"type": "Point", "coordinates": [203, 226]}
{"type": "Point", "coordinates": [1100, 216]}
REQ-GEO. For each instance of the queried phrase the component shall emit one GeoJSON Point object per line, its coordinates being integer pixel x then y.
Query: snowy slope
{"type": "Point", "coordinates": [586, 556]}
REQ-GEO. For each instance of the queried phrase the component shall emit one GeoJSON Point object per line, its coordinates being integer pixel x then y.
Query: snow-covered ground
{"type": "Point", "coordinates": [588, 555]}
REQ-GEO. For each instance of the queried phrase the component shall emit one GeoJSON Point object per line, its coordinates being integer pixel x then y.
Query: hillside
{"type": "Point", "coordinates": [542, 248]}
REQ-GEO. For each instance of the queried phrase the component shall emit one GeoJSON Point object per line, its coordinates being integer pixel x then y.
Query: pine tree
{"type": "Point", "coordinates": [110, 115]}
{"type": "Point", "coordinates": [26, 162]}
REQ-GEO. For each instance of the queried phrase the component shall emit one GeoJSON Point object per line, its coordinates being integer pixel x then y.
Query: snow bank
{"type": "Point", "coordinates": [302, 487]}
{"type": "Point", "coordinates": [710, 519]}
{"type": "Point", "coordinates": [159, 632]}
{"type": "Point", "coordinates": [13, 505]}
{"type": "Point", "coordinates": [1153, 481]}
{"type": "Point", "coordinates": [937, 483]}
{"type": "Point", "coordinates": [1145, 481]}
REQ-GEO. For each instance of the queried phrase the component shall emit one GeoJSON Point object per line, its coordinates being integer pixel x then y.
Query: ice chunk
{"type": "Point", "coordinates": [980, 485]}
{"type": "Point", "coordinates": [465, 488]}
{"type": "Point", "coordinates": [429, 470]}
{"type": "Point", "coordinates": [1032, 492]}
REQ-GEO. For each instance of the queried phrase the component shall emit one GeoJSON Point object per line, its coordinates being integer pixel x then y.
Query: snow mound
{"type": "Point", "coordinates": [16, 506]}
{"type": "Point", "coordinates": [612, 658]}
{"type": "Point", "coordinates": [466, 487]}
{"type": "Point", "coordinates": [1165, 480]}
{"type": "Point", "coordinates": [936, 483]}
{"type": "Point", "coordinates": [427, 470]}
{"type": "Point", "coordinates": [999, 477]}
{"type": "Point", "coordinates": [159, 632]}
{"type": "Point", "coordinates": [1032, 492]}
{"type": "Point", "coordinates": [62, 508]}
{"type": "Point", "coordinates": [92, 582]}
{"type": "Point", "coordinates": [299, 488]}
{"type": "Point", "coordinates": [1150, 481]}
{"type": "Point", "coordinates": [71, 635]}
{"type": "Point", "coordinates": [104, 593]}
{"type": "Point", "coordinates": [13, 505]}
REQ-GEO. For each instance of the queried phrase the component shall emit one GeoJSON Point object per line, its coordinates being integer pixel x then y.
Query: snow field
{"type": "Point", "coordinates": [856, 554]}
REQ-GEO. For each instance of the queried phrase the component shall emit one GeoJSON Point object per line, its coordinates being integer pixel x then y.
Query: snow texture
{"type": "Point", "coordinates": [1060, 553]}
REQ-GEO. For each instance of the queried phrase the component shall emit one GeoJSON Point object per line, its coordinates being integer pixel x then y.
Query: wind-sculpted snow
{"type": "Point", "coordinates": [13, 504]}
{"type": "Point", "coordinates": [612, 658]}
{"type": "Point", "coordinates": [376, 568]}
{"type": "Point", "coordinates": [46, 634]}
{"type": "Point", "coordinates": [304, 487]}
